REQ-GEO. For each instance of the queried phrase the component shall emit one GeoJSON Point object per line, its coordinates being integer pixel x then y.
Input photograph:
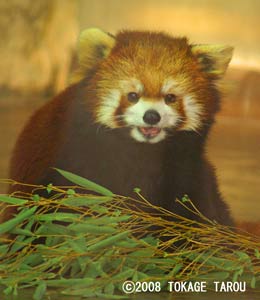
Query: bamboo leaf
{"type": "Point", "coordinates": [40, 291]}
{"type": "Point", "coordinates": [10, 224]}
{"type": "Point", "coordinates": [107, 220]}
{"type": "Point", "coordinates": [109, 288]}
{"type": "Point", "coordinates": [257, 253]}
{"type": "Point", "coordinates": [242, 256]}
{"type": "Point", "coordinates": [53, 229]}
{"type": "Point", "coordinates": [253, 282]}
{"type": "Point", "coordinates": [122, 276]}
{"type": "Point", "coordinates": [78, 245]}
{"type": "Point", "coordinates": [85, 183]}
{"type": "Point", "coordinates": [12, 200]}
{"type": "Point", "coordinates": [91, 229]}
{"type": "Point", "coordinates": [85, 200]}
{"type": "Point", "coordinates": [7, 291]}
{"type": "Point", "coordinates": [84, 292]}
{"type": "Point", "coordinates": [176, 269]}
{"type": "Point", "coordinates": [64, 217]}
{"type": "Point", "coordinates": [108, 241]}
{"type": "Point", "coordinates": [217, 276]}
{"type": "Point", "coordinates": [21, 231]}
{"type": "Point", "coordinates": [71, 282]}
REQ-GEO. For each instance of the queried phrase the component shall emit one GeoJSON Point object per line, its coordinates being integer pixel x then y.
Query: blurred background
{"type": "Point", "coordinates": [38, 53]}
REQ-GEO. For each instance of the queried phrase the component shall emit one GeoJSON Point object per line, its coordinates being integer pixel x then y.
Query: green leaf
{"type": "Point", "coordinates": [12, 200]}
{"type": "Point", "coordinates": [128, 244]}
{"type": "Point", "coordinates": [257, 253]}
{"type": "Point", "coordinates": [253, 282]}
{"type": "Point", "coordinates": [36, 197]}
{"type": "Point", "coordinates": [85, 183]}
{"type": "Point", "coordinates": [150, 240]}
{"type": "Point", "coordinates": [70, 192]}
{"type": "Point", "coordinates": [20, 243]}
{"type": "Point", "coordinates": [50, 228]}
{"type": "Point", "coordinates": [237, 274]}
{"type": "Point", "coordinates": [143, 253]}
{"type": "Point", "coordinates": [49, 188]}
{"type": "Point", "coordinates": [76, 291]}
{"type": "Point", "coordinates": [217, 276]}
{"type": "Point", "coordinates": [176, 269]}
{"type": "Point", "coordinates": [21, 231]}
{"type": "Point", "coordinates": [122, 276]}
{"type": "Point", "coordinates": [79, 245]}
{"type": "Point", "coordinates": [108, 241]}
{"type": "Point", "coordinates": [141, 276]}
{"type": "Point", "coordinates": [93, 270]}
{"type": "Point", "coordinates": [65, 217]}
{"type": "Point", "coordinates": [224, 264]}
{"type": "Point", "coordinates": [242, 256]}
{"type": "Point", "coordinates": [10, 224]}
{"type": "Point", "coordinates": [91, 229]}
{"type": "Point", "coordinates": [33, 260]}
{"type": "Point", "coordinates": [40, 291]}
{"type": "Point", "coordinates": [85, 200]}
{"type": "Point", "coordinates": [71, 282]}
{"type": "Point", "coordinates": [185, 198]}
{"type": "Point", "coordinates": [109, 288]}
{"type": "Point", "coordinates": [107, 220]}
{"type": "Point", "coordinates": [137, 190]}
{"type": "Point", "coordinates": [4, 249]}
{"type": "Point", "coordinates": [8, 290]}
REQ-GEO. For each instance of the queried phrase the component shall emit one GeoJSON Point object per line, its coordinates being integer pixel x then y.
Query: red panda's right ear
{"type": "Point", "coordinates": [93, 46]}
{"type": "Point", "coordinates": [214, 59]}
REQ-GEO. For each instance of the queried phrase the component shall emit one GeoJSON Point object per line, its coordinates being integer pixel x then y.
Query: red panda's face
{"type": "Point", "coordinates": [154, 85]}
{"type": "Point", "coordinates": [150, 118]}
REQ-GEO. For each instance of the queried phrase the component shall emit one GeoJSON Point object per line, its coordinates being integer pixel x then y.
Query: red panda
{"type": "Point", "coordinates": [137, 115]}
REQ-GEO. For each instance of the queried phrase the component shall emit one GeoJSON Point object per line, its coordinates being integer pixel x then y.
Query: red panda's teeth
{"type": "Point", "coordinates": [150, 131]}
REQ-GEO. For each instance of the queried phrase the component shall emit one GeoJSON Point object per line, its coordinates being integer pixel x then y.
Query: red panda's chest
{"type": "Point", "coordinates": [113, 160]}
{"type": "Point", "coordinates": [116, 162]}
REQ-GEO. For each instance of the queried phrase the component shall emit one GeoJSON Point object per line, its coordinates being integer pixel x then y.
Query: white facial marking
{"type": "Point", "coordinates": [132, 85]}
{"type": "Point", "coordinates": [138, 136]}
{"type": "Point", "coordinates": [172, 86]}
{"type": "Point", "coordinates": [192, 108]}
{"type": "Point", "coordinates": [193, 111]}
{"type": "Point", "coordinates": [134, 117]}
{"type": "Point", "coordinates": [109, 105]}
{"type": "Point", "coordinates": [134, 114]}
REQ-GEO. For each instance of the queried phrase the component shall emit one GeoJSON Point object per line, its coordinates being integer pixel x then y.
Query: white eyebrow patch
{"type": "Point", "coordinates": [132, 85]}
{"type": "Point", "coordinates": [171, 85]}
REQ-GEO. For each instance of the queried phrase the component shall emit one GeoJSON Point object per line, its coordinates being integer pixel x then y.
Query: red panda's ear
{"type": "Point", "coordinates": [93, 46]}
{"type": "Point", "coordinates": [214, 59]}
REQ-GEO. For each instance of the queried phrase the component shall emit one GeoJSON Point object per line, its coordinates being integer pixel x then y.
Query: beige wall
{"type": "Point", "coordinates": [234, 22]}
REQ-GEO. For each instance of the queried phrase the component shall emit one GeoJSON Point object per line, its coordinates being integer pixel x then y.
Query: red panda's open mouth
{"type": "Point", "coordinates": [149, 132]}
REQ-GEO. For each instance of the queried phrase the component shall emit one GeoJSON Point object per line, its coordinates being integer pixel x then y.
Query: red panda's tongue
{"type": "Point", "coordinates": [149, 131]}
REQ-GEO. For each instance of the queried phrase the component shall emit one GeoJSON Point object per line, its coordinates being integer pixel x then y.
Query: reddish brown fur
{"type": "Point", "coordinates": [170, 57]}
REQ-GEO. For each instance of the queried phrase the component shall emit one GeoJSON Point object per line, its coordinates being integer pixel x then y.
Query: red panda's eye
{"type": "Point", "coordinates": [170, 98]}
{"type": "Point", "coordinates": [132, 97]}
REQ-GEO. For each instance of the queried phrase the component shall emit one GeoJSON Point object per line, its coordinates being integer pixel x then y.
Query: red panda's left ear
{"type": "Point", "coordinates": [214, 59]}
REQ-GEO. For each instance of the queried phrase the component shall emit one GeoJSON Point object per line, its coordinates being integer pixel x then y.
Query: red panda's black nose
{"type": "Point", "coordinates": [151, 117]}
